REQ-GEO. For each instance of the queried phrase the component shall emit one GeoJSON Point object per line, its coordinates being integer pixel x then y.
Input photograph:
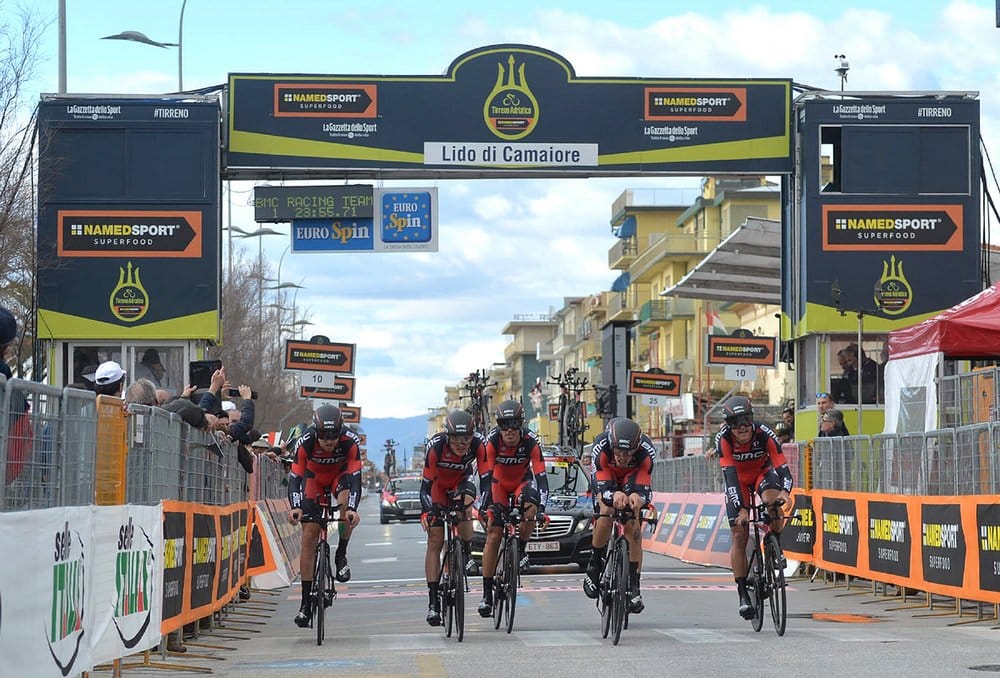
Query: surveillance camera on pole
{"type": "Point", "coordinates": [842, 69]}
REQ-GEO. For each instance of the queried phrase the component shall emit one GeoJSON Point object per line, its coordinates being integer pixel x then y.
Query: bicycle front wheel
{"type": "Point", "coordinates": [513, 574]}
{"type": "Point", "coordinates": [604, 600]}
{"type": "Point", "coordinates": [320, 587]}
{"type": "Point", "coordinates": [456, 593]}
{"type": "Point", "coordinates": [499, 579]}
{"type": "Point", "coordinates": [444, 595]}
{"type": "Point", "coordinates": [619, 589]}
{"type": "Point", "coordinates": [776, 583]}
{"type": "Point", "coordinates": [757, 589]}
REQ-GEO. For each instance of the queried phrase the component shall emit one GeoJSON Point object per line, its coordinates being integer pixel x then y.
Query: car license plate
{"type": "Point", "coordinates": [411, 512]}
{"type": "Point", "coordinates": [542, 546]}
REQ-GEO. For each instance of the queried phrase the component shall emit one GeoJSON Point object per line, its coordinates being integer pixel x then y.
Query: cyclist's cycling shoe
{"type": "Point", "coordinates": [343, 569]}
{"type": "Point", "coordinates": [304, 618]}
{"type": "Point", "coordinates": [747, 610]}
{"type": "Point", "coordinates": [525, 563]}
{"type": "Point", "coordinates": [635, 604]}
{"type": "Point", "coordinates": [433, 615]}
{"type": "Point", "coordinates": [485, 608]}
{"type": "Point", "coordinates": [590, 585]}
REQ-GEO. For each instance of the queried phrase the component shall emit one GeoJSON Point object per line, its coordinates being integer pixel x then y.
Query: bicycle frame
{"type": "Point", "coordinates": [322, 568]}
{"type": "Point", "coordinates": [452, 581]}
{"type": "Point", "coordinates": [615, 588]}
{"type": "Point", "coordinates": [508, 574]}
{"type": "Point", "coordinates": [765, 570]}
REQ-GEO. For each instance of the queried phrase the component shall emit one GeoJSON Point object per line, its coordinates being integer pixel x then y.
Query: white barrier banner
{"type": "Point", "coordinates": [79, 586]}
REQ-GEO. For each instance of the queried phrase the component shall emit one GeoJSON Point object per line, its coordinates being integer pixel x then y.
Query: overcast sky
{"type": "Point", "coordinates": [422, 321]}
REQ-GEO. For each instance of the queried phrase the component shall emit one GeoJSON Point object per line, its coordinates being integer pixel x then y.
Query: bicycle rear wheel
{"type": "Point", "coordinates": [619, 589]}
{"type": "Point", "coordinates": [320, 587]}
{"type": "Point", "coordinates": [513, 573]}
{"type": "Point", "coordinates": [776, 582]}
{"type": "Point", "coordinates": [757, 590]}
{"type": "Point", "coordinates": [456, 592]}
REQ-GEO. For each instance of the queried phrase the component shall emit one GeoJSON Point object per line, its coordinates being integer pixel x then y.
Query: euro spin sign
{"type": "Point", "coordinates": [319, 356]}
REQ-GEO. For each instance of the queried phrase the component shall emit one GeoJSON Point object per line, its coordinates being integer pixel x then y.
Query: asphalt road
{"type": "Point", "coordinates": [690, 628]}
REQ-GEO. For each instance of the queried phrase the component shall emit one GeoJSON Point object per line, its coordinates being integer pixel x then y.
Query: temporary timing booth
{"type": "Point", "coordinates": [917, 354]}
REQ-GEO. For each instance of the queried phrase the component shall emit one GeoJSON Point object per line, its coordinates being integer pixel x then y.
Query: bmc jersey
{"type": "Point", "coordinates": [445, 471]}
{"type": "Point", "coordinates": [635, 478]}
{"type": "Point", "coordinates": [507, 469]}
{"type": "Point", "coordinates": [745, 465]}
{"type": "Point", "coordinates": [314, 469]}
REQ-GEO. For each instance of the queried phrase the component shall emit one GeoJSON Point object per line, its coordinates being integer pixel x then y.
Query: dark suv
{"type": "Point", "coordinates": [566, 539]}
{"type": "Point", "coordinates": [401, 499]}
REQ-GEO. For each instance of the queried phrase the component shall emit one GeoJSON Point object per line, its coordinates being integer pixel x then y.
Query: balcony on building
{"type": "Point", "coordinates": [623, 252]}
{"type": "Point", "coordinates": [653, 314]}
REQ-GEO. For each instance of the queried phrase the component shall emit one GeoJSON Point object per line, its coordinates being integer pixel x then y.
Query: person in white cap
{"type": "Point", "coordinates": [109, 379]}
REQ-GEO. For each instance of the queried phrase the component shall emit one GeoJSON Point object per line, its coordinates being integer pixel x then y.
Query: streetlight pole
{"type": "Point", "coordinates": [136, 36]}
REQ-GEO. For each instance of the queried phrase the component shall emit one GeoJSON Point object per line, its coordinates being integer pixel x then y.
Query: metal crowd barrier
{"type": "Point", "coordinates": [946, 462]}
{"type": "Point", "coordinates": [56, 450]}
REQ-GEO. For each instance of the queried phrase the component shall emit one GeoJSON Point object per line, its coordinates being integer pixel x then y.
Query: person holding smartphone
{"type": "Point", "coordinates": [237, 427]}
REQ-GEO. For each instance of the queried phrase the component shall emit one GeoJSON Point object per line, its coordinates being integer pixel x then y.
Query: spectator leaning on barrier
{"type": "Point", "coordinates": [110, 379]}
{"type": "Point", "coordinates": [832, 424]}
{"type": "Point", "coordinates": [141, 392]}
{"type": "Point", "coordinates": [842, 457]}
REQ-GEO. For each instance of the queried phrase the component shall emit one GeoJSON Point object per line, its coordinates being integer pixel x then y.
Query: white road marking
{"type": "Point", "coordinates": [704, 636]}
{"type": "Point", "coordinates": [380, 560]}
{"type": "Point", "coordinates": [556, 638]}
{"type": "Point", "coordinates": [408, 641]}
{"type": "Point", "coordinates": [380, 543]}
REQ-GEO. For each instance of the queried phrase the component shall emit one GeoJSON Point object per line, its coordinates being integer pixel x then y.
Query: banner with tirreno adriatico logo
{"type": "Point", "coordinates": [82, 587]}
{"type": "Point", "coordinates": [506, 110]}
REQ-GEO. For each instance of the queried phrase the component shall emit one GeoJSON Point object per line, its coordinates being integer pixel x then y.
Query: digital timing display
{"type": "Point", "coordinates": [285, 203]}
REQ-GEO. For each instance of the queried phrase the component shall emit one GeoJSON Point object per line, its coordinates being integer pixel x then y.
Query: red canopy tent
{"type": "Point", "coordinates": [969, 330]}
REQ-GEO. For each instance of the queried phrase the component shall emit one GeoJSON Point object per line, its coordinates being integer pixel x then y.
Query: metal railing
{"type": "Point", "coordinates": [52, 454]}
{"type": "Point", "coordinates": [946, 462]}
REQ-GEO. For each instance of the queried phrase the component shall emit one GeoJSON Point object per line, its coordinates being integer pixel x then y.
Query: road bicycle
{"type": "Point", "coordinates": [615, 587]}
{"type": "Point", "coordinates": [572, 409]}
{"type": "Point", "coordinates": [478, 382]}
{"type": "Point", "coordinates": [453, 584]}
{"type": "Point", "coordinates": [323, 590]}
{"type": "Point", "coordinates": [508, 574]}
{"type": "Point", "coordinates": [766, 570]}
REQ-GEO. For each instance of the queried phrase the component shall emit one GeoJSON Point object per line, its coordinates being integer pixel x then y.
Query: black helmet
{"type": "Point", "coordinates": [510, 412]}
{"type": "Point", "coordinates": [328, 419]}
{"type": "Point", "coordinates": [624, 435]}
{"type": "Point", "coordinates": [459, 423]}
{"type": "Point", "coordinates": [736, 408]}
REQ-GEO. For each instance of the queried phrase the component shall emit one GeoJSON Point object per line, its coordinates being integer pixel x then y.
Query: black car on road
{"type": "Point", "coordinates": [566, 539]}
{"type": "Point", "coordinates": [400, 499]}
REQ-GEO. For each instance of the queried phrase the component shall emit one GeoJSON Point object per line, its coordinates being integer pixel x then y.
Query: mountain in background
{"type": "Point", "coordinates": [408, 432]}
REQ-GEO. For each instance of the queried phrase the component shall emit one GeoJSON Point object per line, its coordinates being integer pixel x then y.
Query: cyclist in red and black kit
{"type": "Point", "coordinates": [326, 456]}
{"type": "Point", "coordinates": [623, 460]}
{"type": "Point", "coordinates": [750, 456]}
{"type": "Point", "coordinates": [513, 460]}
{"type": "Point", "coordinates": [449, 470]}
